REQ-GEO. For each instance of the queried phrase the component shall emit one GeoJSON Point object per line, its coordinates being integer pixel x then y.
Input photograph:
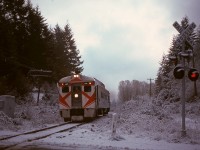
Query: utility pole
{"type": "Point", "coordinates": [150, 86]}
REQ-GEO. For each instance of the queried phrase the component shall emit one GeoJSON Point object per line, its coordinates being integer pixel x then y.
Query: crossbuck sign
{"type": "Point", "coordinates": [184, 33]}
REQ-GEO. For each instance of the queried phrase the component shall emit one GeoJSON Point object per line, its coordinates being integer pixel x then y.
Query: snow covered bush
{"type": "Point", "coordinates": [146, 118]}
{"type": "Point", "coordinates": [6, 122]}
{"type": "Point", "coordinates": [30, 115]}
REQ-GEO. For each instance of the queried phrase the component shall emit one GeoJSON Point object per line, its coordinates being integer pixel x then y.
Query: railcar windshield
{"type": "Point", "coordinates": [76, 88]}
{"type": "Point", "coordinates": [65, 89]}
{"type": "Point", "coordinates": [87, 88]}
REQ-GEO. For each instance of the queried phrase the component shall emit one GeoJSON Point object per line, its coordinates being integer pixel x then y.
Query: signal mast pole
{"type": "Point", "coordinates": [183, 94]}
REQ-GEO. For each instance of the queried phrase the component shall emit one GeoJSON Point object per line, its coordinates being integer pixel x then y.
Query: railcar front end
{"type": "Point", "coordinates": [77, 98]}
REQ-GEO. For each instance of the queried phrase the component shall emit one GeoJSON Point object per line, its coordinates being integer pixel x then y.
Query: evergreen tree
{"type": "Point", "coordinates": [67, 54]}
{"type": "Point", "coordinates": [197, 48]}
{"type": "Point", "coordinates": [37, 45]}
{"type": "Point", "coordinates": [61, 58]}
{"type": "Point", "coordinates": [163, 74]}
{"type": "Point", "coordinates": [13, 31]}
{"type": "Point", "coordinates": [72, 52]}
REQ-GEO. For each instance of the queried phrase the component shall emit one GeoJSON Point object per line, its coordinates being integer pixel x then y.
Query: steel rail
{"type": "Point", "coordinates": [38, 137]}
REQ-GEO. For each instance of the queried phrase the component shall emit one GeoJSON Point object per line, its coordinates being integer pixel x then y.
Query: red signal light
{"type": "Point", "coordinates": [193, 74]}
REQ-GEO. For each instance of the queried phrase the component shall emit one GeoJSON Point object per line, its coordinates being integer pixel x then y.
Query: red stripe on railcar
{"type": "Point", "coordinates": [62, 100]}
{"type": "Point", "coordinates": [91, 99]}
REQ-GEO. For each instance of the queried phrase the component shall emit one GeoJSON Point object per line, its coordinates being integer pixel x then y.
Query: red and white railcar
{"type": "Point", "coordinates": [82, 97]}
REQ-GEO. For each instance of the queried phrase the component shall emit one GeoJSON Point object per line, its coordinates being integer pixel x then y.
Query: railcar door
{"type": "Point", "coordinates": [76, 96]}
{"type": "Point", "coordinates": [97, 96]}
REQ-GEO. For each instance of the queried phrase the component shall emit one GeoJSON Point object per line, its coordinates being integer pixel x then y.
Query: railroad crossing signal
{"type": "Point", "coordinates": [184, 33]}
{"type": "Point", "coordinates": [179, 72]}
{"type": "Point", "coordinates": [185, 36]}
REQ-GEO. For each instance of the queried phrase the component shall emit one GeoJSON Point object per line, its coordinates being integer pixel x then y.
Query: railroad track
{"type": "Point", "coordinates": [14, 140]}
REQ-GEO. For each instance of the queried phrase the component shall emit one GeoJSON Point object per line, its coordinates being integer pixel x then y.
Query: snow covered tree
{"type": "Point", "coordinates": [73, 52]}
{"type": "Point", "coordinates": [163, 77]}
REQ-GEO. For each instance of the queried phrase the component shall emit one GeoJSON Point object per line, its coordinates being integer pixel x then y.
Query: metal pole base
{"type": "Point", "coordinates": [183, 133]}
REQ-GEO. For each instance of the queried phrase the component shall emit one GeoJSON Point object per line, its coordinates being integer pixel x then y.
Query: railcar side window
{"type": "Point", "coordinates": [102, 95]}
{"type": "Point", "coordinates": [87, 88]}
{"type": "Point", "coordinates": [65, 89]}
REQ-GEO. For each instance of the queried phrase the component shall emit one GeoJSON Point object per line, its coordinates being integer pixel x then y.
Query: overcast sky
{"type": "Point", "coordinates": [120, 39]}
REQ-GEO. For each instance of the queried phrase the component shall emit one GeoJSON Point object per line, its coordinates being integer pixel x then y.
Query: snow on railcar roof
{"type": "Point", "coordinates": [99, 82]}
{"type": "Point", "coordinates": [87, 78]}
{"type": "Point", "coordinates": [83, 77]}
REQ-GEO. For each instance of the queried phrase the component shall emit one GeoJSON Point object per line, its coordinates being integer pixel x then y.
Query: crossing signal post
{"type": "Point", "coordinates": [179, 71]}
{"type": "Point", "coordinates": [183, 98]}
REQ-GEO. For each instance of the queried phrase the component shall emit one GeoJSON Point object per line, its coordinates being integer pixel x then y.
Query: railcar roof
{"type": "Point", "coordinates": [99, 82]}
{"type": "Point", "coordinates": [83, 78]}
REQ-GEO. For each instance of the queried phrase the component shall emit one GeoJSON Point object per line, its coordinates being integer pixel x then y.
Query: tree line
{"type": "Point", "coordinates": [129, 90]}
{"type": "Point", "coordinates": [28, 43]}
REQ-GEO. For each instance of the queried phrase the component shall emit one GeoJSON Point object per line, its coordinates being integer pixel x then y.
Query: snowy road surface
{"type": "Point", "coordinates": [87, 139]}
{"type": "Point", "coordinates": [140, 126]}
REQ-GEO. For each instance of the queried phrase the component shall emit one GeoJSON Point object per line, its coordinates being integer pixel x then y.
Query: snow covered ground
{"type": "Point", "coordinates": [140, 125]}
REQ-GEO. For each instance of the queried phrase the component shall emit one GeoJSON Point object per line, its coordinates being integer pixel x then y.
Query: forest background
{"type": "Point", "coordinates": [28, 43]}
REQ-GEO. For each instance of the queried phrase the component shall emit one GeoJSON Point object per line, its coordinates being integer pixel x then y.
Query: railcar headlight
{"type": "Point", "coordinates": [76, 76]}
{"type": "Point", "coordinates": [76, 95]}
